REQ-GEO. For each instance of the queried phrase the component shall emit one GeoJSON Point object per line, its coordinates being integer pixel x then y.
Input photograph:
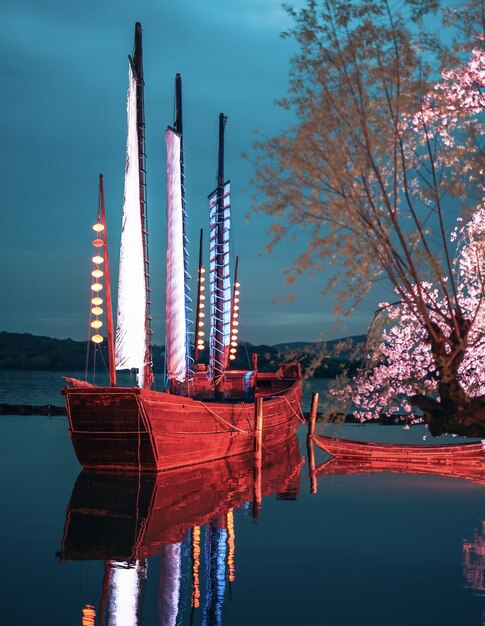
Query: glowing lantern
{"type": "Point", "coordinates": [97, 310]}
{"type": "Point", "coordinates": [98, 227]}
{"type": "Point", "coordinates": [97, 273]}
{"type": "Point", "coordinates": [97, 243]}
{"type": "Point", "coordinates": [201, 324]}
{"type": "Point", "coordinates": [236, 307]}
{"type": "Point", "coordinates": [96, 287]}
{"type": "Point", "coordinates": [96, 324]}
{"type": "Point", "coordinates": [236, 292]}
{"type": "Point", "coordinates": [202, 270]}
{"type": "Point", "coordinates": [202, 297]}
{"type": "Point", "coordinates": [201, 314]}
{"type": "Point", "coordinates": [233, 350]}
{"type": "Point", "coordinates": [97, 259]}
{"type": "Point", "coordinates": [234, 344]}
{"type": "Point", "coordinates": [97, 338]}
{"type": "Point", "coordinates": [96, 301]}
{"type": "Point", "coordinates": [89, 615]}
{"type": "Point", "coordinates": [232, 357]}
{"type": "Point", "coordinates": [235, 323]}
{"type": "Point", "coordinates": [201, 333]}
{"type": "Point", "coordinates": [237, 285]}
{"type": "Point", "coordinates": [202, 278]}
{"type": "Point", "coordinates": [233, 337]}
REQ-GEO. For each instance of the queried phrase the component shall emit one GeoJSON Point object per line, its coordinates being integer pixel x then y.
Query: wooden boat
{"type": "Point", "coordinates": [205, 413]}
{"type": "Point", "coordinates": [463, 461]}
{"type": "Point", "coordinates": [464, 453]}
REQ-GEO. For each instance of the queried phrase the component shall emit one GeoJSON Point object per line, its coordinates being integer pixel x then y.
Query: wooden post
{"type": "Point", "coordinates": [313, 414]}
{"type": "Point", "coordinates": [311, 465]}
{"type": "Point", "coordinates": [258, 457]}
{"type": "Point", "coordinates": [258, 428]}
{"type": "Point", "coordinates": [312, 418]}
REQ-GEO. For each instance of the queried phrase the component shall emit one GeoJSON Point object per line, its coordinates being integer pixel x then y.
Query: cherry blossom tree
{"type": "Point", "coordinates": [403, 364]}
{"type": "Point", "coordinates": [377, 168]}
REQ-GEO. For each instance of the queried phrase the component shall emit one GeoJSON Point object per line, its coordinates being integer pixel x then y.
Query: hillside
{"type": "Point", "coordinates": [24, 351]}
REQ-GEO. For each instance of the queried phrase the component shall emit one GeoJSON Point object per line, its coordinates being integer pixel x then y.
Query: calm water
{"type": "Point", "coordinates": [368, 549]}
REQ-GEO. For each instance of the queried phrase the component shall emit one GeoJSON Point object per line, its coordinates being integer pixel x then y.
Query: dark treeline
{"type": "Point", "coordinates": [23, 351]}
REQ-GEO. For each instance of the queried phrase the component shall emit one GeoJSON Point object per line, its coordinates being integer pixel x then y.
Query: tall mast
{"type": "Point", "coordinates": [218, 364]}
{"type": "Point", "coordinates": [109, 306]}
{"type": "Point", "coordinates": [199, 314]}
{"type": "Point", "coordinates": [137, 66]}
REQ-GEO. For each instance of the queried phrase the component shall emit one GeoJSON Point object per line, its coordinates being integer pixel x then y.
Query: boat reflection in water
{"type": "Point", "coordinates": [183, 516]}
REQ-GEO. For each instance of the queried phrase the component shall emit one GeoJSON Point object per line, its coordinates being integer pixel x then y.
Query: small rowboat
{"type": "Point", "coordinates": [461, 453]}
{"type": "Point", "coordinates": [462, 461]}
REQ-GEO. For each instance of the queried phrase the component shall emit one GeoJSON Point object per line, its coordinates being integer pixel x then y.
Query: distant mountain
{"type": "Point", "coordinates": [309, 355]}
{"type": "Point", "coordinates": [313, 345]}
{"type": "Point", "coordinates": [24, 351]}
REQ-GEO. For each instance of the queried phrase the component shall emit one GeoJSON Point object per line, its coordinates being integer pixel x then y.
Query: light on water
{"type": "Point", "coordinates": [205, 547]}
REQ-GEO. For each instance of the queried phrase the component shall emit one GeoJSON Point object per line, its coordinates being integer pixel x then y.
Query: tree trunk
{"type": "Point", "coordinates": [466, 418]}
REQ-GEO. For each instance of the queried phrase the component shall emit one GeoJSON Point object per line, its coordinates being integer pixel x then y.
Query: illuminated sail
{"type": "Point", "coordinates": [215, 585]}
{"type": "Point", "coordinates": [169, 584]}
{"type": "Point", "coordinates": [125, 590]}
{"type": "Point", "coordinates": [175, 304]}
{"type": "Point", "coordinates": [220, 300]}
{"type": "Point", "coordinates": [131, 330]}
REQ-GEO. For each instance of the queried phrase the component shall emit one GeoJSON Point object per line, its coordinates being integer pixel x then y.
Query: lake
{"type": "Point", "coordinates": [204, 547]}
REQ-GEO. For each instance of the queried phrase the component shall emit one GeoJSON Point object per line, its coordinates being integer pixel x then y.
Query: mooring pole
{"type": "Point", "coordinates": [309, 442]}
{"type": "Point", "coordinates": [311, 464]}
{"type": "Point", "coordinates": [313, 414]}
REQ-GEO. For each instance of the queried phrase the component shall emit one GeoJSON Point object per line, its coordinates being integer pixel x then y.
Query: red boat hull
{"type": "Point", "coordinates": [133, 429]}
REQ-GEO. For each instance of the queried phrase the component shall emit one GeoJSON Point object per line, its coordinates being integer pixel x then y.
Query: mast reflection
{"type": "Point", "coordinates": [183, 517]}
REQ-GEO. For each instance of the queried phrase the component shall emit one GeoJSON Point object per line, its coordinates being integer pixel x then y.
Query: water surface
{"type": "Point", "coordinates": [372, 549]}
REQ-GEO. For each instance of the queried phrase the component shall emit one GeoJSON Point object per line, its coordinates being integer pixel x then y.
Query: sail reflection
{"type": "Point", "coordinates": [183, 517]}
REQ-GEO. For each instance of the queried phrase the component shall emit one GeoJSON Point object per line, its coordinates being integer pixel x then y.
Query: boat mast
{"type": "Point", "coordinates": [199, 314]}
{"type": "Point", "coordinates": [137, 66]}
{"type": "Point", "coordinates": [107, 281]}
{"type": "Point", "coordinates": [218, 364]}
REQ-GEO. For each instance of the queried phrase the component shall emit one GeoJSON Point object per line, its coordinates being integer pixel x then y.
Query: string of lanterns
{"type": "Point", "coordinates": [96, 285]}
{"type": "Point", "coordinates": [234, 322]}
{"type": "Point", "coordinates": [200, 310]}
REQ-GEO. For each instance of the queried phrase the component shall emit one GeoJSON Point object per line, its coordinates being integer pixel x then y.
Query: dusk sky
{"type": "Point", "coordinates": [63, 120]}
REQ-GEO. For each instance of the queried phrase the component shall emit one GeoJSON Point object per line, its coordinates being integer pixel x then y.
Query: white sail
{"type": "Point", "coordinates": [217, 352]}
{"type": "Point", "coordinates": [176, 355]}
{"type": "Point", "coordinates": [130, 329]}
